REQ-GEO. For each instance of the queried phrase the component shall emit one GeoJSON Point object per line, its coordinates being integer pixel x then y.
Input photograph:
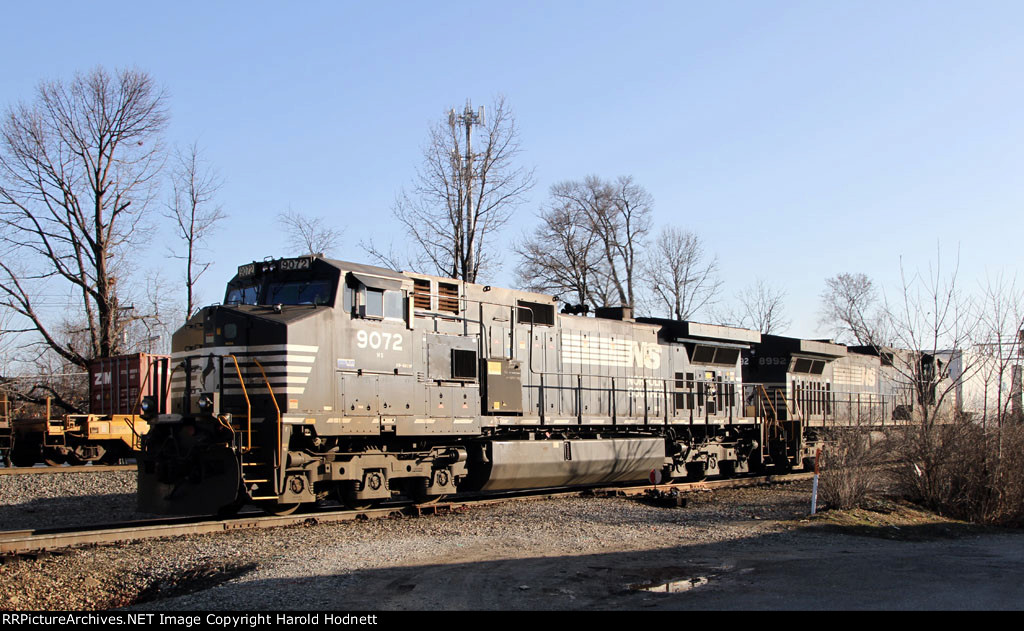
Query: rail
{"type": "Point", "coordinates": [26, 541]}
{"type": "Point", "coordinates": [50, 470]}
{"type": "Point", "coordinates": [827, 408]}
{"type": "Point", "coordinates": [650, 400]}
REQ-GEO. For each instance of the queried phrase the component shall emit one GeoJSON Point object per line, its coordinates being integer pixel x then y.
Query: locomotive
{"type": "Point", "coordinates": [317, 379]}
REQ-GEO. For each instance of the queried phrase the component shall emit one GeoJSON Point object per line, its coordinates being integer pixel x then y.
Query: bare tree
{"type": "Point", "coordinates": [758, 306]}
{"type": "Point", "coordinates": [997, 344]}
{"type": "Point", "coordinates": [849, 307]}
{"type": "Point", "coordinates": [620, 216]}
{"type": "Point", "coordinates": [681, 276]}
{"type": "Point", "coordinates": [561, 256]}
{"type": "Point", "coordinates": [78, 169]}
{"type": "Point", "coordinates": [945, 460]}
{"type": "Point", "coordinates": [194, 213]}
{"type": "Point", "coordinates": [609, 221]}
{"type": "Point", "coordinates": [308, 235]}
{"type": "Point", "coordinates": [934, 320]}
{"type": "Point", "coordinates": [462, 194]}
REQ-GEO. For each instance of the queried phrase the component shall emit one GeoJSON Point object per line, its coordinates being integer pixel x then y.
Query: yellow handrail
{"type": "Point", "coordinates": [130, 419]}
{"type": "Point", "coordinates": [276, 406]}
{"type": "Point", "coordinates": [248, 406]}
{"type": "Point", "coordinates": [768, 400]}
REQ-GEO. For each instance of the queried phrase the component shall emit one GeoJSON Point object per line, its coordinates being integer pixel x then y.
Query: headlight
{"type": "Point", "coordinates": [206, 404]}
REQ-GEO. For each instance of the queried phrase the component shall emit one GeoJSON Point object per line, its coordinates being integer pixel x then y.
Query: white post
{"type": "Point", "coordinates": [814, 485]}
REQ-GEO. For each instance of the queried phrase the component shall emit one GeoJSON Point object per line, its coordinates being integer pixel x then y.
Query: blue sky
{"type": "Point", "coordinates": [799, 139]}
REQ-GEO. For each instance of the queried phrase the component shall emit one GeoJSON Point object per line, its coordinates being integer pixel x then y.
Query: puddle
{"type": "Point", "coordinates": [673, 587]}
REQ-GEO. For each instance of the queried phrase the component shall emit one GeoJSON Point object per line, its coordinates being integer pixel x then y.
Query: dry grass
{"type": "Point", "coordinates": [964, 471]}
{"type": "Point", "coordinates": [894, 519]}
{"type": "Point", "coordinates": [851, 472]}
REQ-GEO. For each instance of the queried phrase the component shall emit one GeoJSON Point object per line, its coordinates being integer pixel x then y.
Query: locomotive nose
{"type": "Point", "coordinates": [183, 472]}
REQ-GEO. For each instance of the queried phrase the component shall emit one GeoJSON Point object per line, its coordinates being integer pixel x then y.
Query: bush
{"type": "Point", "coordinates": [964, 471]}
{"type": "Point", "coordinates": [850, 470]}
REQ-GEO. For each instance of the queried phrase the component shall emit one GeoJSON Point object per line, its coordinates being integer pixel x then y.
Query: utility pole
{"type": "Point", "coordinates": [468, 118]}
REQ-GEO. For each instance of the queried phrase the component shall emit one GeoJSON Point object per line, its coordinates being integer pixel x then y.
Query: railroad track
{"type": "Point", "coordinates": [16, 542]}
{"type": "Point", "coordinates": [66, 469]}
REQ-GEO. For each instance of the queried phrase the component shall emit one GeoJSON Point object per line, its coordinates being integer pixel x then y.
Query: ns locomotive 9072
{"type": "Point", "coordinates": [320, 378]}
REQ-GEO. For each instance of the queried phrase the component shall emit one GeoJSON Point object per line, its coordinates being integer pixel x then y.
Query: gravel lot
{"type": "Point", "coordinates": [573, 553]}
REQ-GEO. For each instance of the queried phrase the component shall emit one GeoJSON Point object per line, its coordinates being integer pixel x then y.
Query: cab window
{"type": "Point", "coordinates": [393, 305]}
{"type": "Point", "coordinates": [373, 304]}
{"type": "Point", "coordinates": [384, 304]}
{"type": "Point", "coordinates": [305, 292]}
{"type": "Point", "coordinates": [242, 296]}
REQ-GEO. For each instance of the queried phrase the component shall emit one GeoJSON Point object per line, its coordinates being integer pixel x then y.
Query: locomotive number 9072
{"type": "Point", "coordinates": [379, 340]}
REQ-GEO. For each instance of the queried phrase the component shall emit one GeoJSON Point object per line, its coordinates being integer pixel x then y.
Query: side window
{"type": "Point", "coordinates": [373, 305]}
{"type": "Point", "coordinates": [348, 299]}
{"type": "Point", "coordinates": [393, 304]}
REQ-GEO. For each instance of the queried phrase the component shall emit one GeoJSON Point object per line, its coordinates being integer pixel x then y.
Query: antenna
{"type": "Point", "coordinates": [469, 119]}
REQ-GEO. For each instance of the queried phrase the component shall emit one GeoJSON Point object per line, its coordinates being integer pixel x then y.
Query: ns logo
{"type": "Point", "coordinates": [646, 355]}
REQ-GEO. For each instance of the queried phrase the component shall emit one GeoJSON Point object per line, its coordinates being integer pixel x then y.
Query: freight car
{"type": "Point", "coordinates": [5, 428]}
{"type": "Point", "coordinates": [319, 378]}
{"type": "Point", "coordinates": [110, 431]}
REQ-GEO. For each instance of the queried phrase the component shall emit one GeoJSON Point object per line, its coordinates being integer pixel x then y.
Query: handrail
{"type": "Point", "coordinates": [277, 449]}
{"type": "Point", "coordinates": [129, 419]}
{"type": "Point", "coordinates": [768, 400]}
{"type": "Point", "coordinates": [272, 398]}
{"type": "Point", "coordinates": [248, 406]}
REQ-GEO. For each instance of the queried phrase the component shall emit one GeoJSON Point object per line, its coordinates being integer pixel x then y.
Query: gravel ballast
{"type": "Point", "coordinates": [566, 553]}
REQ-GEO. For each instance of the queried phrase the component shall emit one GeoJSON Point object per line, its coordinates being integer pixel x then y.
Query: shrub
{"type": "Point", "coordinates": [851, 468]}
{"type": "Point", "coordinates": [964, 470]}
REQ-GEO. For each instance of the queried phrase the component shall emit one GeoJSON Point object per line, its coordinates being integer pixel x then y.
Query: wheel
{"type": "Point", "coordinates": [354, 504]}
{"type": "Point", "coordinates": [25, 454]}
{"type": "Point", "coordinates": [433, 499]}
{"type": "Point", "coordinates": [53, 457]}
{"type": "Point", "coordinates": [346, 494]}
{"type": "Point", "coordinates": [231, 509]}
{"type": "Point", "coordinates": [74, 460]}
{"type": "Point", "coordinates": [275, 508]}
{"type": "Point", "coordinates": [21, 458]}
{"type": "Point", "coordinates": [111, 457]}
{"type": "Point", "coordinates": [696, 471]}
{"type": "Point", "coordinates": [417, 492]}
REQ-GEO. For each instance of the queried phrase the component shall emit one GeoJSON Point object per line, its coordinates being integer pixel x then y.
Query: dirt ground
{"type": "Point", "coordinates": [894, 557]}
{"type": "Point", "coordinates": [896, 560]}
{"type": "Point", "coordinates": [738, 549]}
{"type": "Point", "coordinates": [815, 566]}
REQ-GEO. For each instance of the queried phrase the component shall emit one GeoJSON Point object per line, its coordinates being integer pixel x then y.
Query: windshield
{"type": "Point", "coordinates": [305, 292]}
{"type": "Point", "coordinates": [296, 292]}
{"type": "Point", "coordinates": [242, 296]}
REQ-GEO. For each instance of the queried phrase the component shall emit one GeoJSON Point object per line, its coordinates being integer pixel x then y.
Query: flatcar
{"type": "Point", "coordinates": [110, 431]}
{"type": "Point", "coordinates": [319, 379]}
